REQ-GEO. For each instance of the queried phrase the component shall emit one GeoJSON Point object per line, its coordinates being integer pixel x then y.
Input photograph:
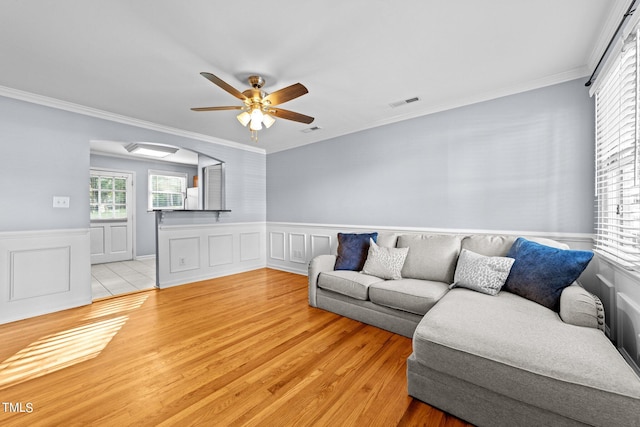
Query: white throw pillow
{"type": "Point", "coordinates": [485, 274]}
{"type": "Point", "coordinates": [385, 263]}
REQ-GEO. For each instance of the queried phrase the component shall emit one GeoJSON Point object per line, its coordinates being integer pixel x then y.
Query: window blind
{"type": "Point", "coordinates": [167, 190]}
{"type": "Point", "coordinates": [214, 187]}
{"type": "Point", "coordinates": [617, 181]}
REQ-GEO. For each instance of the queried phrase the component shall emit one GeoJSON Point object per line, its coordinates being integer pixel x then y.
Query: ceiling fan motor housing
{"type": "Point", "coordinates": [256, 82]}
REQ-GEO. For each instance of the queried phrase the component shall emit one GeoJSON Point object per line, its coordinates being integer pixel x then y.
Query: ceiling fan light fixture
{"type": "Point", "coordinates": [268, 120]}
{"type": "Point", "coordinates": [244, 118]}
{"type": "Point", "coordinates": [256, 119]}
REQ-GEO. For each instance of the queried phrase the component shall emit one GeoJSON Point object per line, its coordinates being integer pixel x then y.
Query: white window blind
{"type": "Point", "coordinates": [214, 187]}
{"type": "Point", "coordinates": [167, 190]}
{"type": "Point", "coordinates": [617, 189]}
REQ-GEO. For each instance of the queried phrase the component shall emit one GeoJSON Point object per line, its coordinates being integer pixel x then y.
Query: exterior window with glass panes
{"type": "Point", "coordinates": [167, 190]}
{"type": "Point", "coordinates": [617, 157]}
{"type": "Point", "coordinates": [108, 197]}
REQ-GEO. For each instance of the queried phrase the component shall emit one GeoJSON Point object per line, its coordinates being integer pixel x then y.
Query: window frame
{"type": "Point", "coordinates": [151, 192]}
{"type": "Point", "coordinates": [617, 184]}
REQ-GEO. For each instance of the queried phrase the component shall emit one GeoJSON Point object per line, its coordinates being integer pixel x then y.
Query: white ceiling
{"type": "Point", "coordinates": [141, 58]}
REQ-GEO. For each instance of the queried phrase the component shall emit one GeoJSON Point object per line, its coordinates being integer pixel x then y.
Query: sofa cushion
{"type": "Point", "coordinates": [541, 272]}
{"type": "Point", "coordinates": [520, 349]}
{"type": "Point", "coordinates": [387, 240]}
{"type": "Point", "coordinates": [411, 295]}
{"type": "Point", "coordinates": [350, 283]}
{"type": "Point", "coordinates": [480, 273]}
{"type": "Point", "coordinates": [352, 250]}
{"type": "Point", "coordinates": [430, 257]}
{"type": "Point", "coordinates": [488, 245]}
{"type": "Point", "coordinates": [385, 263]}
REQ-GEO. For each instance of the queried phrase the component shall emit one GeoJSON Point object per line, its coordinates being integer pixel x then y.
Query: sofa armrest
{"type": "Point", "coordinates": [316, 266]}
{"type": "Point", "coordinates": [581, 308]}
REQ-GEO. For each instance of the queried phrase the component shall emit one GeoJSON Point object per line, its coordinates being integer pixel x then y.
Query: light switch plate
{"type": "Point", "coordinates": [60, 201]}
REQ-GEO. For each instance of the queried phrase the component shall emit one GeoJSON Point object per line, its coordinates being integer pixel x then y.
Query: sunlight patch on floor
{"type": "Point", "coordinates": [117, 305]}
{"type": "Point", "coordinates": [58, 351]}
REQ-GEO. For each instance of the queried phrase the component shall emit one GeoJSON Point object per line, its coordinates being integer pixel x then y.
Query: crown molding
{"type": "Point", "coordinates": [105, 115]}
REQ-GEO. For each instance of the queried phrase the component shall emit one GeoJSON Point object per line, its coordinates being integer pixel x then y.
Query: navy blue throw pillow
{"type": "Point", "coordinates": [352, 250]}
{"type": "Point", "coordinates": [540, 272]}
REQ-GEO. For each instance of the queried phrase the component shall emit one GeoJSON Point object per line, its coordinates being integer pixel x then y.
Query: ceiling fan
{"type": "Point", "coordinates": [259, 107]}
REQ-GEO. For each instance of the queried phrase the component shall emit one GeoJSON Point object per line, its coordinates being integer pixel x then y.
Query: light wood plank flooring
{"type": "Point", "coordinates": [239, 350]}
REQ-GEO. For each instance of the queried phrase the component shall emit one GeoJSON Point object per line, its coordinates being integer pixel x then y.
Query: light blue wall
{"type": "Point", "coordinates": [518, 163]}
{"type": "Point", "coordinates": [44, 152]}
{"type": "Point", "coordinates": [145, 221]}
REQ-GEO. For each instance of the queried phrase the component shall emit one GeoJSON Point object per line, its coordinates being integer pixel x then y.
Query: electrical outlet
{"type": "Point", "coordinates": [61, 201]}
{"type": "Point", "coordinates": [182, 261]}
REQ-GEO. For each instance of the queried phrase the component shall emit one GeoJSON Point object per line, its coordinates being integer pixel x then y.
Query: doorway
{"type": "Point", "coordinates": [111, 215]}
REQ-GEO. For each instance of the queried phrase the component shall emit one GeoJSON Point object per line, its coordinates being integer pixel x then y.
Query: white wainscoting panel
{"type": "Point", "coordinates": [184, 254]}
{"type": "Point", "coordinates": [30, 269]}
{"type": "Point", "coordinates": [607, 294]}
{"type": "Point", "coordinates": [620, 294]}
{"type": "Point", "coordinates": [320, 245]}
{"type": "Point", "coordinates": [220, 249]}
{"type": "Point", "coordinates": [192, 252]}
{"type": "Point", "coordinates": [298, 248]}
{"type": "Point", "coordinates": [43, 271]}
{"type": "Point", "coordinates": [311, 240]}
{"type": "Point", "coordinates": [250, 246]}
{"type": "Point", "coordinates": [628, 321]}
{"type": "Point", "coordinates": [277, 245]}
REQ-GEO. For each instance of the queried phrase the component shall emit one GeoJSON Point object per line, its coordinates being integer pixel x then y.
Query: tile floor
{"type": "Point", "coordinates": [122, 277]}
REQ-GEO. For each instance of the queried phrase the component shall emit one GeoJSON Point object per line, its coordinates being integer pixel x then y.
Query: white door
{"type": "Point", "coordinates": [111, 207]}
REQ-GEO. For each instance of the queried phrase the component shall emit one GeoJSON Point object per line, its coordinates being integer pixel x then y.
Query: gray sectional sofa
{"type": "Point", "coordinates": [492, 360]}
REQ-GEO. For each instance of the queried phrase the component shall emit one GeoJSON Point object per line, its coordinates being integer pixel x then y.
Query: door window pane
{"type": "Point", "coordinates": [107, 197]}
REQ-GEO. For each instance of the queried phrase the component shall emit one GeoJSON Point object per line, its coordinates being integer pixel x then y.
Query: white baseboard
{"type": "Point", "coordinates": [208, 276]}
{"type": "Point", "coordinates": [302, 272]}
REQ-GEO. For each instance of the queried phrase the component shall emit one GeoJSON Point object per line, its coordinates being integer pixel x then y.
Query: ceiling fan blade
{"type": "Point", "coordinates": [224, 85]}
{"type": "Point", "coordinates": [290, 115]}
{"type": "Point", "coordinates": [217, 108]}
{"type": "Point", "coordinates": [286, 94]}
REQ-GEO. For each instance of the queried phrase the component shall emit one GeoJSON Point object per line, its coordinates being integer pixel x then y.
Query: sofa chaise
{"type": "Point", "coordinates": [489, 356]}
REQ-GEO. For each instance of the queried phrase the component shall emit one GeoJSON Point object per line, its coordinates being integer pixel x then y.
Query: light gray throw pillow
{"type": "Point", "coordinates": [385, 263]}
{"type": "Point", "coordinates": [431, 256]}
{"type": "Point", "coordinates": [480, 273]}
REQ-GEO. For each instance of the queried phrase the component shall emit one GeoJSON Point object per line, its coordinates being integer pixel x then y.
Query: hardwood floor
{"type": "Point", "coordinates": [239, 350]}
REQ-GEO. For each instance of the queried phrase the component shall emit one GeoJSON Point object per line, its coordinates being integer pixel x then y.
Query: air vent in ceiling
{"type": "Point", "coordinates": [311, 129]}
{"type": "Point", "coordinates": [404, 102]}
